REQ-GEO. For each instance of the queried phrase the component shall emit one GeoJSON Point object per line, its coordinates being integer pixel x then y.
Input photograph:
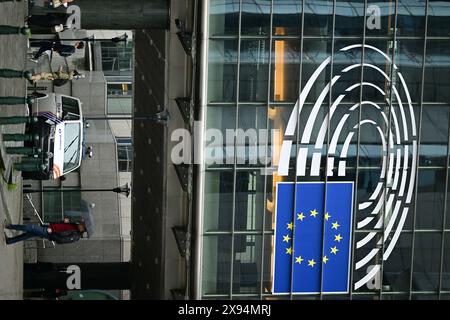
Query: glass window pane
{"type": "Point", "coordinates": [385, 9]}
{"type": "Point", "coordinates": [224, 17]}
{"type": "Point", "coordinates": [119, 105]}
{"type": "Point", "coordinates": [254, 70]}
{"type": "Point", "coordinates": [287, 17]}
{"type": "Point", "coordinates": [438, 13]}
{"type": "Point", "coordinates": [285, 70]}
{"type": "Point", "coordinates": [318, 18]}
{"type": "Point", "coordinates": [222, 70]}
{"type": "Point", "coordinates": [411, 18]}
{"type": "Point", "coordinates": [397, 269]}
{"type": "Point", "coordinates": [220, 136]}
{"type": "Point", "coordinates": [409, 59]}
{"type": "Point", "coordinates": [249, 208]}
{"type": "Point", "coordinates": [430, 198]}
{"type": "Point", "coordinates": [446, 264]}
{"type": "Point", "coordinates": [437, 69]}
{"type": "Point", "coordinates": [349, 17]}
{"type": "Point", "coordinates": [216, 264]}
{"type": "Point", "coordinates": [255, 17]}
{"type": "Point", "coordinates": [434, 138]}
{"type": "Point", "coordinates": [247, 264]}
{"type": "Point", "coordinates": [218, 211]}
{"type": "Point", "coordinates": [427, 258]}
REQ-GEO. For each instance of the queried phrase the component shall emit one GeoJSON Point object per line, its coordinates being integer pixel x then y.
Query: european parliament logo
{"type": "Point", "coordinates": [312, 239]}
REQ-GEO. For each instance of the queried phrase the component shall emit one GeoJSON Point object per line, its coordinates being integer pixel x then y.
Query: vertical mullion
{"type": "Point", "coordinates": [326, 149]}
{"type": "Point", "coordinates": [291, 296]}
{"type": "Point", "coordinates": [358, 142]}
{"type": "Point", "coordinates": [261, 284]}
{"type": "Point", "coordinates": [390, 106]}
{"type": "Point", "coordinates": [441, 267]}
{"type": "Point", "coordinates": [413, 241]}
{"type": "Point", "coordinates": [235, 151]}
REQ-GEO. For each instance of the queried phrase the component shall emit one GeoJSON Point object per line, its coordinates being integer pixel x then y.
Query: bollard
{"type": "Point", "coordinates": [14, 30]}
{"type": "Point", "coordinates": [10, 73]}
{"type": "Point", "coordinates": [23, 150]}
{"type": "Point", "coordinates": [16, 100]}
{"type": "Point", "coordinates": [17, 120]}
{"type": "Point", "coordinates": [20, 137]}
{"type": "Point", "coordinates": [30, 167]}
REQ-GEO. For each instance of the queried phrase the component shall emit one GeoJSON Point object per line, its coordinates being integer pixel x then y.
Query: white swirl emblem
{"type": "Point", "coordinates": [395, 187]}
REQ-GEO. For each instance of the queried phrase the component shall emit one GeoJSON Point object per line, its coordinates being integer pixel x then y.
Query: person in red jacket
{"type": "Point", "coordinates": [60, 232]}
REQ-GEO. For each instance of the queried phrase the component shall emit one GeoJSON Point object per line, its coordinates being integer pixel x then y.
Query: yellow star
{"type": "Point", "coordinates": [325, 259]}
{"type": "Point", "coordinates": [298, 260]}
{"type": "Point", "coordinates": [314, 213]}
{"type": "Point", "coordinates": [289, 250]}
{"type": "Point", "coordinates": [290, 226]}
{"type": "Point", "coordinates": [327, 216]}
{"type": "Point", "coordinates": [300, 216]}
{"type": "Point", "coordinates": [334, 250]}
{"type": "Point", "coordinates": [335, 225]}
{"type": "Point", "coordinates": [311, 263]}
{"type": "Point", "coordinates": [286, 238]}
{"type": "Point", "coordinates": [338, 238]}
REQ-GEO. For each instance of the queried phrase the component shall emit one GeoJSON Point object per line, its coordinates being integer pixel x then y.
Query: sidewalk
{"type": "Point", "coordinates": [12, 55]}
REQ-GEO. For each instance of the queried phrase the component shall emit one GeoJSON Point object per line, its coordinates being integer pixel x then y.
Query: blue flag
{"type": "Point", "coordinates": [312, 247]}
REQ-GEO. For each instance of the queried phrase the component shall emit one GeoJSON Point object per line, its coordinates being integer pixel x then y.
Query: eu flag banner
{"type": "Point", "coordinates": [311, 244]}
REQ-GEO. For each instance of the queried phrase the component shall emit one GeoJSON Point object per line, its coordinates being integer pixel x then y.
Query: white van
{"type": "Point", "coordinates": [60, 130]}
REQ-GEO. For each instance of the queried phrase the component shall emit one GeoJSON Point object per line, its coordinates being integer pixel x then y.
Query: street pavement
{"type": "Point", "coordinates": [13, 50]}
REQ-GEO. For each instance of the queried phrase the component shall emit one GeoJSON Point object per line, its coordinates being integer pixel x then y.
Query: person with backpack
{"type": "Point", "coordinates": [59, 232]}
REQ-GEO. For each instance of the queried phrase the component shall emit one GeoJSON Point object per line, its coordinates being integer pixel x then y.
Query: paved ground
{"type": "Point", "coordinates": [12, 55]}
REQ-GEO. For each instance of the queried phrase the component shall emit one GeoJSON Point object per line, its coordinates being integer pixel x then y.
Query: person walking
{"type": "Point", "coordinates": [59, 232]}
{"type": "Point", "coordinates": [56, 75]}
{"type": "Point", "coordinates": [48, 20]}
{"type": "Point", "coordinates": [63, 50]}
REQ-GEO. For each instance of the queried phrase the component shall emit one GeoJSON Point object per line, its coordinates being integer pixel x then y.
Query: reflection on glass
{"type": "Point", "coordinates": [411, 18]}
{"type": "Point", "coordinates": [218, 200]}
{"type": "Point", "coordinates": [430, 199]}
{"type": "Point", "coordinates": [222, 70]}
{"type": "Point", "coordinates": [216, 267]}
{"type": "Point", "coordinates": [252, 137]}
{"type": "Point", "coordinates": [409, 59]}
{"type": "Point", "coordinates": [219, 143]}
{"type": "Point", "coordinates": [247, 263]}
{"type": "Point", "coordinates": [434, 138]}
{"type": "Point", "coordinates": [438, 13]}
{"type": "Point", "coordinates": [349, 17]}
{"type": "Point", "coordinates": [318, 17]}
{"type": "Point", "coordinates": [446, 264]}
{"type": "Point", "coordinates": [249, 205]}
{"type": "Point", "coordinates": [397, 269]}
{"type": "Point", "coordinates": [287, 15]}
{"type": "Point", "coordinates": [254, 70]}
{"type": "Point", "coordinates": [427, 259]}
{"type": "Point", "coordinates": [385, 9]}
{"type": "Point", "coordinates": [255, 17]}
{"type": "Point", "coordinates": [437, 69]}
{"type": "Point", "coordinates": [285, 70]}
{"type": "Point", "coordinates": [224, 17]}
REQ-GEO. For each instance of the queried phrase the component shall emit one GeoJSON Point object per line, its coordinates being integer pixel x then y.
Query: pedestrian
{"type": "Point", "coordinates": [59, 232]}
{"type": "Point", "coordinates": [56, 75]}
{"type": "Point", "coordinates": [63, 50]}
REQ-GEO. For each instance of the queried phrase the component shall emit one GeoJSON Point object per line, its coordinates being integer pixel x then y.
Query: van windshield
{"type": "Point", "coordinates": [71, 108]}
{"type": "Point", "coordinates": [71, 146]}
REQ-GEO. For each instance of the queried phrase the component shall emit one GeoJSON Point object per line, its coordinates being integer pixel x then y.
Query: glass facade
{"type": "Point", "coordinates": [360, 92]}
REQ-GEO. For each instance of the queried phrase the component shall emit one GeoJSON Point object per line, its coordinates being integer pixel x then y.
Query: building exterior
{"type": "Point", "coordinates": [358, 93]}
{"type": "Point", "coordinates": [105, 92]}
